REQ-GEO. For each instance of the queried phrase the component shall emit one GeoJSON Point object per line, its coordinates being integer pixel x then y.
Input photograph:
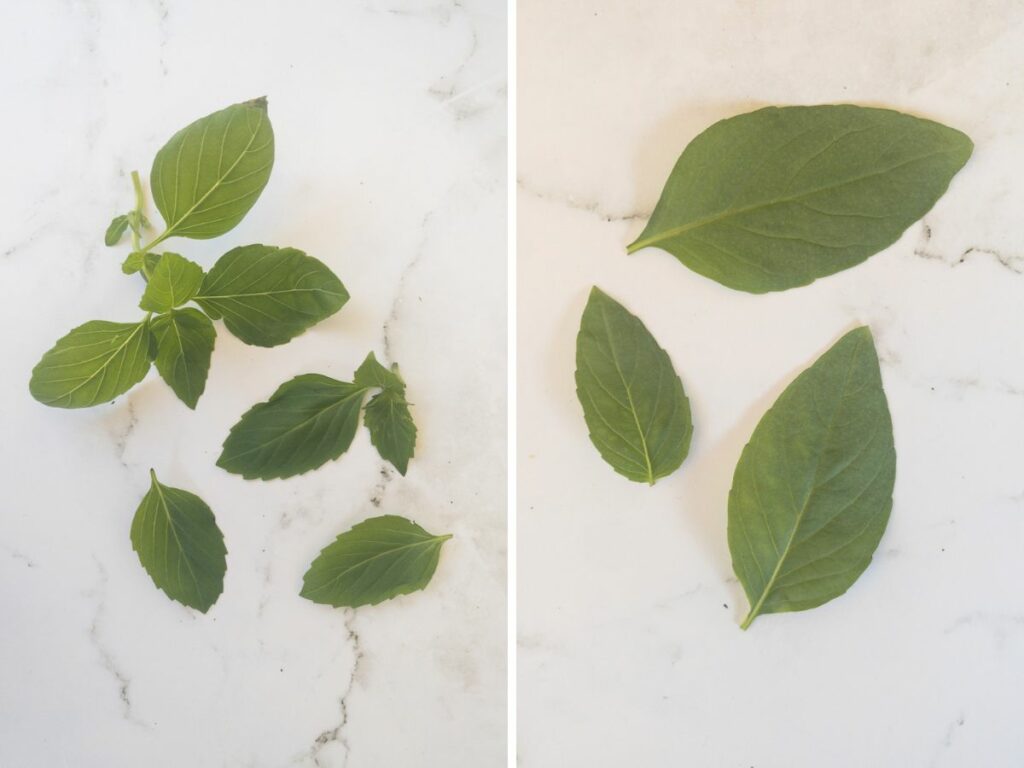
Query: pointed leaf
{"type": "Point", "coordinates": [378, 559]}
{"type": "Point", "coordinates": [184, 342]}
{"type": "Point", "coordinates": [782, 196]}
{"type": "Point", "coordinates": [92, 364]}
{"type": "Point", "coordinates": [173, 282]}
{"type": "Point", "coordinates": [115, 231]}
{"type": "Point", "coordinates": [307, 422]}
{"type": "Point", "coordinates": [372, 374]}
{"type": "Point", "coordinates": [179, 544]}
{"type": "Point", "coordinates": [137, 260]}
{"type": "Point", "coordinates": [813, 488]}
{"type": "Point", "coordinates": [268, 296]}
{"type": "Point", "coordinates": [633, 401]}
{"type": "Point", "coordinates": [392, 431]}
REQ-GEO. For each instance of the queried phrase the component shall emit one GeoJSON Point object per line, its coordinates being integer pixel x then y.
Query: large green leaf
{"type": "Point", "coordinates": [392, 430]}
{"type": "Point", "coordinates": [307, 422]}
{"type": "Point", "coordinates": [378, 559]}
{"type": "Point", "coordinates": [208, 176]}
{"type": "Point", "coordinates": [813, 488]}
{"type": "Point", "coordinates": [180, 546]}
{"type": "Point", "coordinates": [184, 344]}
{"type": "Point", "coordinates": [779, 197]}
{"type": "Point", "coordinates": [92, 364]}
{"type": "Point", "coordinates": [173, 282]}
{"type": "Point", "coordinates": [633, 401]}
{"type": "Point", "coordinates": [268, 296]}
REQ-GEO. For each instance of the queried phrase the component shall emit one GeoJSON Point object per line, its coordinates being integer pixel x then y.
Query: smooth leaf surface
{"type": "Point", "coordinates": [118, 226]}
{"type": "Point", "coordinates": [268, 296]}
{"type": "Point", "coordinates": [812, 491]}
{"type": "Point", "coordinates": [173, 282]}
{"type": "Point", "coordinates": [633, 401]}
{"type": "Point", "coordinates": [779, 197]}
{"type": "Point", "coordinates": [184, 343]}
{"type": "Point", "coordinates": [210, 173]}
{"type": "Point", "coordinates": [92, 364]}
{"type": "Point", "coordinates": [180, 546]}
{"type": "Point", "coordinates": [392, 430]}
{"type": "Point", "coordinates": [137, 261]}
{"type": "Point", "coordinates": [307, 422]}
{"type": "Point", "coordinates": [378, 559]}
{"type": "Point", "coordinates": [371, 373]}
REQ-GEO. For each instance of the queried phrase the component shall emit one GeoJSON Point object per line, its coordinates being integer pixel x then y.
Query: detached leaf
{"type": "Point", "coordinates": [633, 401]}
{"type": "Point", "coordinates": [92, 364]}
{"type": "Point", "coordinates": [208, 176]}
{"type": "Point", "coordinates": [372, 374]}
{"type": "Point", "coordinates": [779, 197]}
{"type": "Point", "coordinates": [813, 488]}
{"type": "Point", "coordinates": [392, 431]}
{"type": "Point", "coordinates": [307, 422]}
{"type": "Point", "coordinates": [268, 296]}
{"type": "Point", "coordinates": [378, 559]}
{"type": "Point", "coordinates": [180, 546]}
{"type": "Point", "coordinates": [118, 226]}
{"type": "Point", "coordinates": [136, 259]}
{"type": "Point", "coordinates": [173, 282]}
{"type": "Point", "coordinates": [184, 343]}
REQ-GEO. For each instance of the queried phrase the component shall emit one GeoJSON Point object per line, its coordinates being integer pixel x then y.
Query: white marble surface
{"type": "Point", "coordinates": [390, 121]}
{"type": "Point", "coordinates": [630, 653]}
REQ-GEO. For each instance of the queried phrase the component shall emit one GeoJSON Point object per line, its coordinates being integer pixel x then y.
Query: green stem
{"type": "Point", "coordinates": [136, 222]}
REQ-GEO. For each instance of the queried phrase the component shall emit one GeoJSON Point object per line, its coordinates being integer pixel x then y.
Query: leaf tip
{"type": "Point", "coordinates": [259, 103]}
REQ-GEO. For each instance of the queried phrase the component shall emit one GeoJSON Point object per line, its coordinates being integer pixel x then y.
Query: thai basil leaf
{"type": "Point", "coordinates": [813, 488]}
{"type": "Point", "coordinates": [118, 226]}
{"type": "Point", "coordinates": [371, 373]}
{"type": "Point", "coordinates": [184, 343]}
{"type": "Point", "coordinates": [392, 430]}
{"type": "Point", "coordinates": [376, 560]}
{"type": "Point", "coordinates": [210, 173]}
{"type": "Point", "coordinates": [268, 296]}
{"type": "Point", "coordinates": [779, 197]}
{"type": "Point", "coordinates": [633, 401]}
{"type": "Point", "coordinates": [137, 261]}
{"type": "Point", "coordinates": [180, 546]}
{"type": "Point", "coordinates": [173, 282]}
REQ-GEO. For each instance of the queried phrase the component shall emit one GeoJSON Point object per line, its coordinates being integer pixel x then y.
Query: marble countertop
{"type": "Point", "coordinates": [629, 649]}
{"type": "Point", "coordinates": [390, 122]}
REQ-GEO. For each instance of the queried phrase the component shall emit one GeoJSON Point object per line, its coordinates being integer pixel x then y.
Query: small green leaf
{"type": "Point", "coordinates": [378, 559]}
{"type": "Point", "coordinates": [307, 422]}
{"type": "Point", "coordinates": [180, 546]}
{"type": "Point", "coordinates": [92, 364]}
{"type": "Point", "coordinates": [392, 431]}
{"type": "Point", "coordinates": [633, 401]}
{"type": "Point", "coordinates": [268, 296]}
{"type": "Point", "coordinates": [779, 197]}
{"type": "Point", "coordinates": [813, 488]}
{"type": "Point", "coordinates": [173, 282]}
{"type": "Point", "coordinates": [371, 373]}
{"type": "Point", "coordinates": [138, 261]}
{"type": "Point", "coordinates": [184, 342]}
{"type": "Point", "coordinates": [208, 176]}
{"type": "Point", "coordinates": [118, 226]}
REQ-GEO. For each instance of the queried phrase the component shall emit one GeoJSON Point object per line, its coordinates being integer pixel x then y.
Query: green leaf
{"type": "Point", "coordinates": [138, 261]}
{"type": "Point", "coordinates": [633, 401]}
{"type": "Point", "coordinates": [307, 422]}
{"type": "Point", "coordinates": [779, 197]}
{"type": "Point", "coordinates": [180, 545]}
{"type": "Point", "coordinates": [268, 296]}
{"type": "Point", "coordinates": [92, 364]}
{"type": "Point", "coordinates": [392, 431]}
{"type": "Point", "coordinates": [208, 176]}
{"type": "Point", "coordinates": [813, 488]}
{"type": "Point", "coordinates": [173, 282]}
{"type": "Point", "coordinates": [378, 559]}
{"type": "Point", "coordinates": [371, 373]}
{"type": "Point", "coordinates": [118, 226]}
{"type": "Point", "coordinates": [184, 342]}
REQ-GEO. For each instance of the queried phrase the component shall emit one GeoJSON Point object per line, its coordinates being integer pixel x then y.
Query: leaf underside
{"type": "Point", "coordinates": [391, 427]}
{"type": "Point", "coordinates": [184, 342]}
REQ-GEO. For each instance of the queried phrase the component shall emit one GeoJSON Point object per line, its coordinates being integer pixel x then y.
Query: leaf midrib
{"type": "Point", "coordinates": [103, 367]}
{"type": "Point", "coordinates": [361, 563]}
{"type": "Point", "coordinates": [177, 539]}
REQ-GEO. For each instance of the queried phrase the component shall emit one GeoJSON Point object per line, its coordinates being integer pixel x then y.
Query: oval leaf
{"type": "Point", "coordinates": [184, 344]}
{"type": "Point", "coordinates": [92, 364]}
{"type": "Point", "coordinates": [268, 296]}
{"type": "Point", "coordinates": [813, 488]}
{"type": "Point", "coordinates": [115, 231]}
{"type": "Point", "coordinates": [782, 196]}
{"type": "Point", "coordinates": [180, 545]}
{"type": "Point", "coordinates": [392, 430]}
{"type": "Point", "coordinates": [174, 281]}
{"type": "Point", "coordinates": [378, 559]}
{"type": "Point", "coordinates": [307, 422]}
{"type": "Point", "coordinates": [208, 176]}
{"type": "Point", "coordinates": [633, 401]}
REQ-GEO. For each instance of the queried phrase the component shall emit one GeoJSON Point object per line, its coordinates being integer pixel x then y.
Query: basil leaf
{"type": "Point", "coordinates": [813, 488]}
{"type": "Point", "coordinates": [268, 296]}
{"type": "Point", "coordinates": [184, 342]}
{"type": "Point", "coordinates": [378, 559]}
{"type": "Point", "coordinates": [307, 422]}
{"type": "Point", "coordinates": [118, 226]}
{"type": "Point", "coordinates": [173, 282]}
{"type": "Point", "coordinates": [208, 176]}
{"type": "Point", "coordinates": [779, 197]}
{"type": "Point", "coordinates": [92, 364]}
{"type": "Point", "coordinates": [392, 430]}
{"type": "Point", "coordinates": [371, 373]}
{"type": "Point", "coordinates": [633, 401]}
{"type": "Point", "coordinates": [137, 261]}
{"type": "Point", "coordinates": [180, 546]}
